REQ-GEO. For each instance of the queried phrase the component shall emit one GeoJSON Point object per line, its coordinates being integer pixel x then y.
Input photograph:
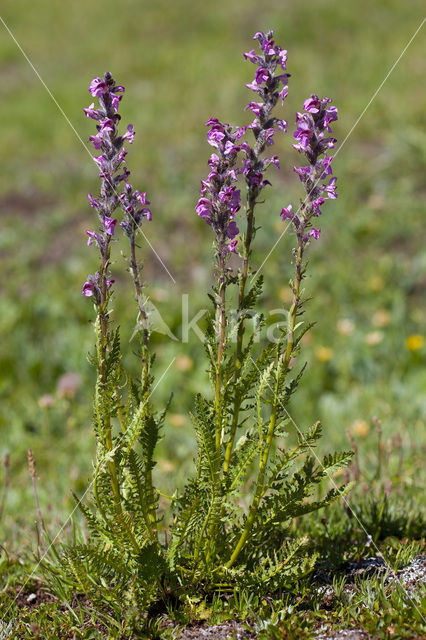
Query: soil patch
{"type": "Point", "coordinates": [223, 631]}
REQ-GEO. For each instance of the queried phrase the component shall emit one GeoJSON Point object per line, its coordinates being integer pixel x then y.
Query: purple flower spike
{"type": "Point", "coordinates": [220, 200]}
{"type": "Point", "coordinates": [113, 175]}
{"type": "Point", "coordinates": [267, 84]}
{"type": "Point", "coordinates": [311, 126]}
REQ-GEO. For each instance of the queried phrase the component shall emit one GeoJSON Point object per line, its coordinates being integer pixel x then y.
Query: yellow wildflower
{"type": "Point", "coordinates": [415, 342]}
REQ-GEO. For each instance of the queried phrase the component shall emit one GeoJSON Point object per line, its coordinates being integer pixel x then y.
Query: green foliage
{"type": "Point", "coordinates": [124, 558]}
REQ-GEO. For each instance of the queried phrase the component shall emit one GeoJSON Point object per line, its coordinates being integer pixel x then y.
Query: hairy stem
{"type": "Point", "coordinates": [282, 365]}
{"type": "Point", "coordinates": [145, 358]}
{"type": "Point", "coordinates": [144, 317]}
{"type": "Point", "coordinates": [240, 334]}
{"type": "Point", "coordinates": [221, 329]}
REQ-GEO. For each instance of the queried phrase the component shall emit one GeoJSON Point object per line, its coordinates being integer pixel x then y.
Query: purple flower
{"type": "Point", "coordinates": [232, 230]}
{"type": "Point", "coordinates": [261, 75]}
{"type": "Point", "coordinates": [129, 135]}
{"type": "Point", "coordinates": [94, 237]}
{"type": "Point", "coordinates": [142, 197]}
{"type": "Point", "coordinates": [230, 148]}
{"type": "Point", "coordinates": [115, 99]}
{"type": "Point", "coordinates": [211, 121]}
{"type": "Point", "coordinates": [316, 204]}
{"type": "Point", "coordinates": [216, 135]}
{"type": "Point", "coordinates": [88, 289]}
{"type": "Point", "coordinates": [283, 78]}
{"type": "Point", "coordinates": [232, 246]}
{"type": "Point", "coordinates": [274, 160]}
{"type": "Point", "coordinates": [97, 141]}
{"type": "Point", "coordinates": [251, 56]}
{"type": "Point", "coordinates": [204, 208]}
{"type": "Point", "coordinates": [312, 104]}
{"type": "Point", "coordinates": [98, 87]}
{"type": "Point", "coordinates": [230, 196]}
{"type": "Point", "coordinates": [254, 87]}
{"type": "Point", "coordinates": [268, 135]}
{"type": "Point", "coordinates": [94, 202]}
{"type": "Point", "coordinates": [330, 116]}
{"type": "Point", "coordinates": [330, 189]}
{"type": "Point", "coordinates": [312, 233]}
{"type": "Point", "coordinates": [286, 213]}
{"type": "Point", "coordinates": [302, 172]}
{"type": "Point", "coordinates": [282, 55]}
{"type": "Point", "coordinates": [104, 129]}
{"type": "Point", "coordinates": [283, 94]}
{"type": "Point", "coordinates": [325, 167]}
{"type": "Point", "coordinates": [256, 107]}
{"type": "Point", "coordinates": [304, 132]}
{"type": "Point", "coordinates": [96, 114]}
{"type": "Point", "coordinates": [102, 162]}
{"type": "Point", "coordinates": [109, 225]}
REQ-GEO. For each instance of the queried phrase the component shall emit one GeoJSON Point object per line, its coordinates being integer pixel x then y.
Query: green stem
{"type": "Point", "coordinates": [240, 334]}
{"type": "Point", "coordinates": [260, 484]}
{"type": "Point", "coordinates": [200, 537]}
{"type": "Point", "coordinates": [145, 355]}
{"type": "Point", "coordinates": [102, 349]}
{"type": "Point", "coordinates": [144, 317]}
{"type": "Point", "coordinates": [221, 327]}
{"type": "Point", "coordinates": [282, 369]}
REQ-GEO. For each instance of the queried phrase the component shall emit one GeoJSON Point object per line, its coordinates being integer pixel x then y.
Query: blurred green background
{"type": "Point", "coordinates": [181, 62]}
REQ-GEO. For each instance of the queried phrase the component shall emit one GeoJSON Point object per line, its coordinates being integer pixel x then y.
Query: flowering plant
{"type": "Point", "coordinates": [208, 541]}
